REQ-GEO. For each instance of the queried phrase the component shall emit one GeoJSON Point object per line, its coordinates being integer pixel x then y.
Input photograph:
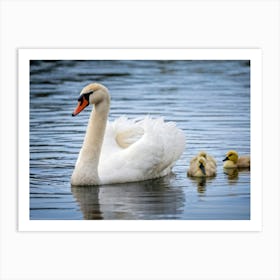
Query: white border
{"type": "Point", "coordinates": [254, 55]}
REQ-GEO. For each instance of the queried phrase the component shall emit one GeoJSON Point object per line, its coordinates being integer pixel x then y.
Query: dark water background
{"type": "Point", "coordinates": [209, 101]}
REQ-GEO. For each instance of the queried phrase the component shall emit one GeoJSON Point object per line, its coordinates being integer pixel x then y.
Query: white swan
{"type": "Point", "coordinates": [124, 150]}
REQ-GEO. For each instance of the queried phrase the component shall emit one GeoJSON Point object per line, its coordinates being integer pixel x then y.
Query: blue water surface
{"type": "Point", "coordinates": [209, 101]}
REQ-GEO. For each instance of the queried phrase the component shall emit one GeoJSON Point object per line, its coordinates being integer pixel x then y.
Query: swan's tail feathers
{"type": "Point", "coordinates": [167, 144]}
{"type": "Point", "coordinates": [163, 134]}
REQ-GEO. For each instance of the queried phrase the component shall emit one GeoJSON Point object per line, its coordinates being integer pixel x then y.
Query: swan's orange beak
{"type": "Point", "coordinates": [82, 104]}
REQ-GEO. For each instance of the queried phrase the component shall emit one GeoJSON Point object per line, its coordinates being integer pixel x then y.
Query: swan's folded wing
{"type": "Point", "coordinates": [129, 136]}
{"type": "Point", "coordinates": [151, 156]}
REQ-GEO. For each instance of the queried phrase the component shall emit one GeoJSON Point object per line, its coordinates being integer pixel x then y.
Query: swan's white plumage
{"type": "Point", "coordinates": [154, 146]}
{"type": "Point", "coordinates": [131, 149]}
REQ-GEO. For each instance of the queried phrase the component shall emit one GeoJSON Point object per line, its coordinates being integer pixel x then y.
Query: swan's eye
{"type": "Point", "coordinates": [84, 96]}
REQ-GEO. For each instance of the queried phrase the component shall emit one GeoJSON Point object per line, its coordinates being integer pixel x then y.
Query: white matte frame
{"type": "Point", "coordinates": [188, 24]}
{"type": "Point", "coordinates": [254, 55]}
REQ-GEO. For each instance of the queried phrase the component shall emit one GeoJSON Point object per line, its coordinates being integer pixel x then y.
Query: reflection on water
{"type": "Point", "coordinates": [233, 173]}
{"type": "Point", "coordinates": [201, 183]}
{"type": "Point", "coordinates": [88, 199]}
{"type": "Point", "coordinates": [153, 199]}
{"type": "Point", "coordinates": [209, 101]}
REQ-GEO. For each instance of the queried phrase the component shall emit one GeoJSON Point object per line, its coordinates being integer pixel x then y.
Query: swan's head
{"type": "Point", "coordinates": [202, 163]}
{"type": "Point", "coordinates": [232, 156]}
{"type": "Point", "coordinates": [91, 94]}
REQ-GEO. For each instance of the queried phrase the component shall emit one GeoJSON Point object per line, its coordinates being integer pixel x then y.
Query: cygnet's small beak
{"type": "Point", "coordinates": [82, 104]}
{"type": "Point", "coordinates": [201, 166]}
{"type": "Point", "coordinates": [225, 159]}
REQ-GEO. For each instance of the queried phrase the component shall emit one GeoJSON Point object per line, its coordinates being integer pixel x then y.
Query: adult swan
{"type": "Point", "coordinates": [124, 150]}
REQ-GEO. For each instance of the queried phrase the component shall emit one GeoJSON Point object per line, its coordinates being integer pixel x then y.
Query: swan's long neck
{"type": "Point", "coordinates": [95, 131]}
{"type": "Point", "coordinates": [90, 152]}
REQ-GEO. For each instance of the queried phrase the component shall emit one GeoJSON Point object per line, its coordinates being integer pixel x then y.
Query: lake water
{"type": "Point", "coordinates": [209, 101]}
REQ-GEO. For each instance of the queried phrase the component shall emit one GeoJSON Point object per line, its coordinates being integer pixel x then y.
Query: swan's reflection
{"type": "Point", "coordinates": [87, 197]}
{"type": "Point", "coordinates": [153, 199]}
